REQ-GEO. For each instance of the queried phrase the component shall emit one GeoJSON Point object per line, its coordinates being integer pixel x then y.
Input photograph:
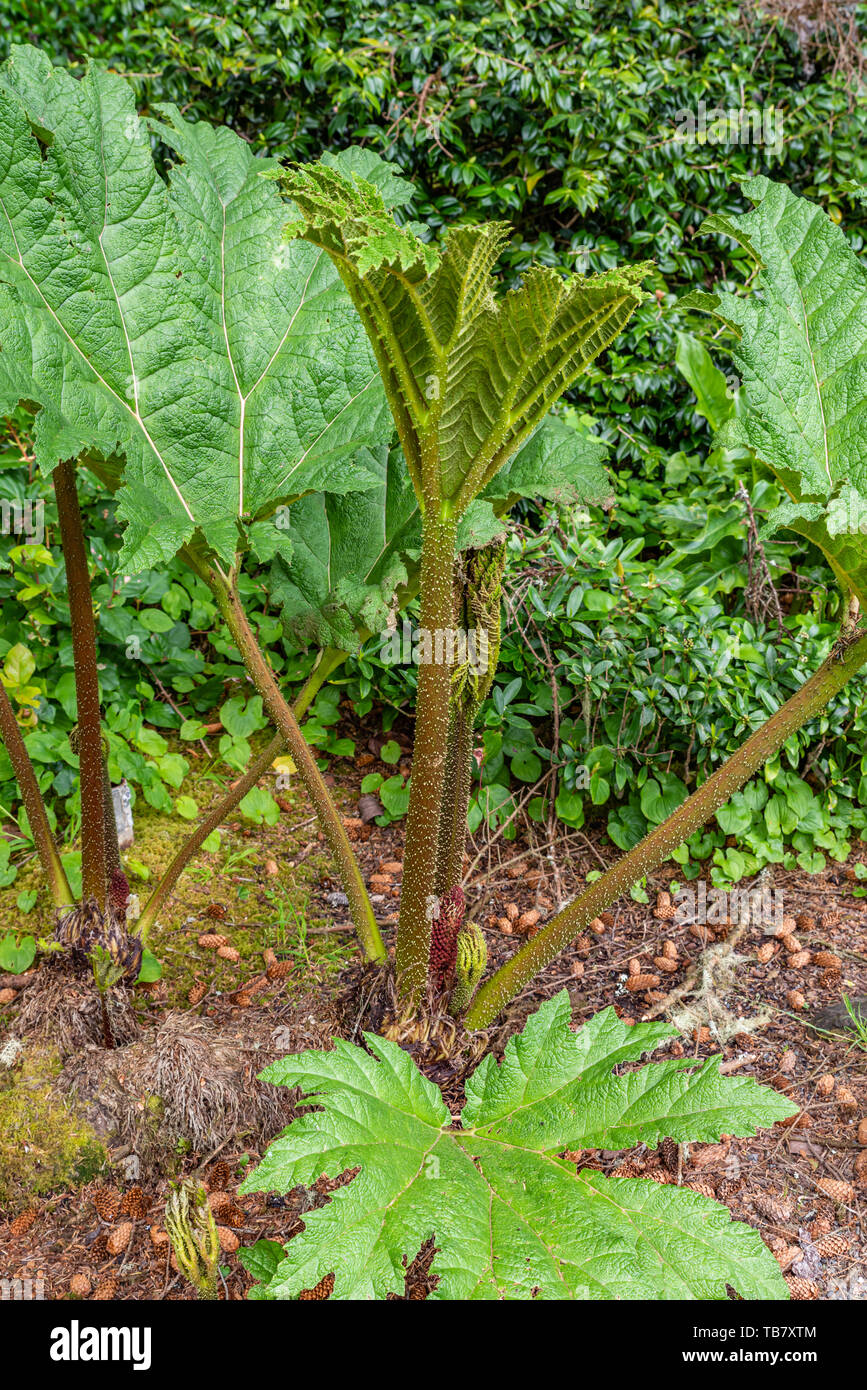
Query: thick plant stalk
{"type": "Point", "coordinates": [848, 656]}
{"type": "Point", "coordinates": [282, 717]}
{"type": "Point", "coordinates": [329, 661]}
{"type": "Point", "coordinates": [456, 800]}
{"type": "Point", "coordinates": [479, 609]}
{"type": "Point", "coordinates": [31, 796]}
{"type": "Point", "coordinates": [433, 712]}
{"type": "Point", "coordinates": [93, 865]}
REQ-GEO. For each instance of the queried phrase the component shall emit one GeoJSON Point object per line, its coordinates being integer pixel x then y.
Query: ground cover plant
{"type": "Point", "coordinates": [188, 341]}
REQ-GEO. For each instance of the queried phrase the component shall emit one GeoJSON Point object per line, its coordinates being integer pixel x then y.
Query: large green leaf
{"type": "Point", "coordinates": [170, 323]}
{"type": "Point", "coordinates": [510, 1219]}
{"type": "Point", "coordinates": [354, 558]}
{"type": "Point", "coordinates": [802, 359]}
{"type": "Point", "coordinates": [469, 373]}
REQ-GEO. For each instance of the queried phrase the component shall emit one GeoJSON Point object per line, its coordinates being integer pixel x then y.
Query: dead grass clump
{"type": "Point", "coordinates": [191, 1083]}
{"type": "Point", "coordinates": [62, 1008]}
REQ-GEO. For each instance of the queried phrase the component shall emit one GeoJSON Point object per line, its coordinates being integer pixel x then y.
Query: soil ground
{"type": "Point", "coordinates": [271, 888]}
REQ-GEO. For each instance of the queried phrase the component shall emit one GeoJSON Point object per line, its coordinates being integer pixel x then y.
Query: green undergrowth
{"type": "Point", "coordinates": [233, 879]}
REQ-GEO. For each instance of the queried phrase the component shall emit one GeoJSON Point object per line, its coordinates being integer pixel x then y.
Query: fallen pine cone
{"type": "Point", "coordinates": [597, 926]}
{"type": "Point", "coordinates": [861, 1166]}
{"type": "Point", "coordinates": [21, 1225]}
{"type": "Point", "coordinates": [212, 941]}
{"type": "Point", "coordinates": [634, 966]}
{"type": "Point", "coordinates": [280, 970]}
{"type": "Point", "coordinates": [862, 1131]}
{"type": "Point", "coordinates": [79, 1286]}
{"type": "Point", "coordinates": [242, 1000]}
{"type": "Point", "coordinates": [105, 1290]}
{"type": "Point", "coordinates": [703, 934]}
{"type": "Point", "coordinates": [695, 1185]}
{"type": "Point", "coordinates": [845, 1098]}
{"type": "Point", "coordinates": [765, 952]}
{"type": "Point", "coordinates": [790, 943]}
{"type": "Point", "coordinates": [831, 1247]}
{"type": "Point", "coordinates": [839, 1191]}
{"type": "Point", "coordinates": [701, 1035]}
{"type": "Point", "coordinates": [669, 950]}
{"type": "Point", "coordinates": [668, 1149]}
{"type": "Point", "coordinates": [820, 1227]}
{"type": "Point", "coordinates": [795, 999]}
{"type": "Point", "coordinates": [774, 1209]}
{"type": "Point", "coordinates": [197, 994]}
{"type": "Point", "coordinates": [512, 912]}
{"type": "Point", "coordinates": [159, 1237]}
{"type": "Point", "coordinates": [119, 1237]}
{"type": "Point", "coordinates": [637, 982]}
{"type": "Point", "coordinates": [134, 1203]}
{"type": "Point", "coordinates": [788, 1256]}
{"type": "Point", "coordinates": [829, 919]}
{"type": "Point", "coordinates": [229, 953]}
{"type": "Point", "coordinates": [528, 919]}
{"type": "Point", "coordinates": [269, 957]}
{"type": "Point", "coordinates": [665, 909]}
{"type": "Point", "coordinates": [805, 921]}
{"type": "Point", "coordinates": [323, 1289]}
{"type": "Point", "coordinates": [801, 1289]}
{"type": "Point", "coordinates": [218, 1176]}
{"type": "Point", "coordinates": [829, 961]}
{"type": "Point", "coordinates": [228, 1240]}
{"type": "Point", "coordinates": [220, 1202]}
{"type": "Point", "coordinates": [799, 959]}
{"type": "Point", "coordinates": [665, 964]}
{"type": "Point", "coordinates": [789, 923]}
{"type": "Point", "coordinates": [577, 969]}
{"type": "Point", "coordinates": [825, 1084]}
{"type": "Point", "coordinates": [7, 996]}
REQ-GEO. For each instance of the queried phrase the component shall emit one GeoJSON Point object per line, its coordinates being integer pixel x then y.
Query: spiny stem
{"type": "Point", "coordinates": [429, 756]}
{"type": "Point", "coordinates": [31, 796]}
{"type": "Point", "coordinates": [329, 660]}
{"type": "Point", "coordinates": [281, 715]}
{"type": "Point", "coordinates": [848, 656]}
{"type": "Point", "coordinates": [93, 865]}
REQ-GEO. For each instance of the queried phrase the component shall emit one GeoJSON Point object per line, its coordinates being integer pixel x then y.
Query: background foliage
{"type": "Point", "coordinates": [635, 649]}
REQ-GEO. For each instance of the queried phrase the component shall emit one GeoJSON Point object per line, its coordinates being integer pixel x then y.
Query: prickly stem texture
{"type": "Point", "coordinates": [281, 715]}
{"type": "Point", "coordinates": [84, 656]}
{"type": "Point", "coordinates": [234, 795]}
{"type": "Point", "coordinates": [478, 608]}
{"type": "Point", "coordinates": [444, 936]}
{"type": "Point", "coordinates": [429, 757]}
{"type": "Point", "coordinates": [13, 742]}
{"type": "Point", "coordinates": [847, 658]}
{"type": "Point", "coordinates": [118, 885]}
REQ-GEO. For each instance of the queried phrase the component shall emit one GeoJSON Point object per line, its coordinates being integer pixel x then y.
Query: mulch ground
{"type": "Point", "coordinates": [743, 990]}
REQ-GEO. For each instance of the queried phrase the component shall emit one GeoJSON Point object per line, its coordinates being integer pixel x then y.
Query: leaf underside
{"type": "Point", "coordinates": [351, 555]}
{"type": "Point", "coordinates": [170, 323]}
{"type": "Point", "coordinates": [511, 1220]}
{"type": "Point", "coordinates": [469, 373]}
{"type": "Point", "coordinates": [802, 360]}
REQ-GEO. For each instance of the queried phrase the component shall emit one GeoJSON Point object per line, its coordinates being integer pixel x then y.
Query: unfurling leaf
{"type": "Point", "coordinates": [469, 373]}
{"type": "Point", "coordinates": [509, 1219]}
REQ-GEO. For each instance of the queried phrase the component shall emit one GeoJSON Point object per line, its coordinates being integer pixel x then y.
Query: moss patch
{"type": "Point", "coordinates": [44, 1143]}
